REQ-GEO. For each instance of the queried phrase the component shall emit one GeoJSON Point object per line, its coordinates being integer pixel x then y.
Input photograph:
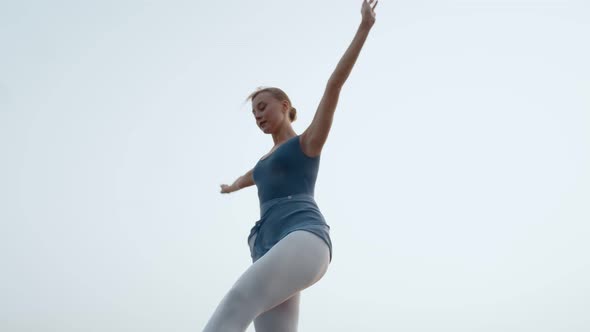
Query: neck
{"type": "Point", "coordinates": [283, 135]}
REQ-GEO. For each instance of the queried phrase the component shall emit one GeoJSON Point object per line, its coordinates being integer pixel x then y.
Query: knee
{"type": "Point", "coordinates": [241, 303]}
{"type": "Point", "coordinates": [233, 313]}
{"type": "Point", "coordinates": [236, 298]}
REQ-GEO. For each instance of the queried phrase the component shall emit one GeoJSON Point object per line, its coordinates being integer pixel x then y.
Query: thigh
{"type": "Point", "coordinates": [283, 317]}
{"type": "Point", "coordinates": [296, 262]}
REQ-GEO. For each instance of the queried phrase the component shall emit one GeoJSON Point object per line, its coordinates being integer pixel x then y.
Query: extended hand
{"type": "Point", "coordinates": [225, 189]}
{"type": "Point", "coordinates": [368, 12]}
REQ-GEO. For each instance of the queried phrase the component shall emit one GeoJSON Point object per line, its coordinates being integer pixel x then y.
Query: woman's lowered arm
{"type": "Point", "coordinates": [243, 181]}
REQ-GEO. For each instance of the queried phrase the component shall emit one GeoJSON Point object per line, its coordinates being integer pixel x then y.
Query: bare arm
{"type": "Point", "coordinates": [315, 136]}
{"type": "Point", "coordinates": [243, 181]}
{"type": "Point", "coordinates": [349, 58]}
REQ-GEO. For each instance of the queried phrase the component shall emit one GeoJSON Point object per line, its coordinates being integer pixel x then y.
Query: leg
{"type": "Point", "coordinates": [298, 261]}
{"type": "Point", "coordinates": [284, 317]}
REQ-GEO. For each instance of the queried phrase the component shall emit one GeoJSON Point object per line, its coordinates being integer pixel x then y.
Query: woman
{"type": "Point", "coordinates": [290, 245]}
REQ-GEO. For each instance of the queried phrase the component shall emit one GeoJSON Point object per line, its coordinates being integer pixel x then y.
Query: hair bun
{"type": "Point", "coordinates": [293, 114]}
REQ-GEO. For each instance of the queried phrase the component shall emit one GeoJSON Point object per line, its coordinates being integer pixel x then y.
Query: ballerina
{"type": "Point", "coordinates": [290, 245]}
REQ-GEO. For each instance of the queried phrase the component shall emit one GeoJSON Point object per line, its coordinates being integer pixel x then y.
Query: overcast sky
{"type": "Point", "coordinates": [456, 177]}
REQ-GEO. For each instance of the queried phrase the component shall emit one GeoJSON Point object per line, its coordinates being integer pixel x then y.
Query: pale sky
{"type": "Point", "coordinates": [455, 180]}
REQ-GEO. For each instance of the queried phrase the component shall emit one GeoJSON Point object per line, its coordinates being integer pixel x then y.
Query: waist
{"type": "Point", "coordinates": [267, 205]}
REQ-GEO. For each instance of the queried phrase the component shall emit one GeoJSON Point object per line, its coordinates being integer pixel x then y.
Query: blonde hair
{"type": "Point", "coordinates": [279, 95]}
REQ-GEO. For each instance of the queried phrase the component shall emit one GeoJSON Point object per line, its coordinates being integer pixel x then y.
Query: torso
{"type": "Point", "coordinates": [285, 170]}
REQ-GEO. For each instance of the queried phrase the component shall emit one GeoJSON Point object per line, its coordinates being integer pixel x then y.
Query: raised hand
{"type": "Point", "coordinates": [368, 12]}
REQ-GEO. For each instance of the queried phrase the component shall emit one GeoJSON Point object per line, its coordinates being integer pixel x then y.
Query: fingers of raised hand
{"type": "Point", "coordinates": [367, 4]}
{"type": "Point", "coordinates": [374, 2]}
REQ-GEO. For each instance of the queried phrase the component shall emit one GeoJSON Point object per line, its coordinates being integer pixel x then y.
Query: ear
{"type": "Point", "coordinates": [286, 106]}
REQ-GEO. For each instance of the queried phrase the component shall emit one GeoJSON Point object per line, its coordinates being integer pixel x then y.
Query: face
{"type": "Point", "coordinates": [268, 112]}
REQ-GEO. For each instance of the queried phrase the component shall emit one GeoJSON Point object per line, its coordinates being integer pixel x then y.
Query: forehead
{"type": "Point", "coordinates": [262, 97]}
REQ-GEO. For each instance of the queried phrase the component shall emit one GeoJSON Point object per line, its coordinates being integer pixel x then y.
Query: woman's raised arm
{"type": "Point", "coordinates": [315, 136]}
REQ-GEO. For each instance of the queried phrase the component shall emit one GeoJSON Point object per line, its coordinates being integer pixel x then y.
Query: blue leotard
{"type": "Point", "coordinates": [286, 181]}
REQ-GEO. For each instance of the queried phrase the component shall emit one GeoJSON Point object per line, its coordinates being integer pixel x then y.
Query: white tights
{"type": "Point", "coordinates": [268, 292]}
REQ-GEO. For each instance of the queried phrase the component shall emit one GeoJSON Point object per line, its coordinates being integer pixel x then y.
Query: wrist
{"type": "Point", "coordinates": [366, 24]}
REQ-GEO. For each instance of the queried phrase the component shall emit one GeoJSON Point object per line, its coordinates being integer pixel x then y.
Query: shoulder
{"type": "Point", "coordinates": [307, 147]}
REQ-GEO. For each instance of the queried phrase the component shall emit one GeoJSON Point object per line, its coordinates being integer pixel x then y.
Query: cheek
{"type": "Point", "coordinates": [278, 116]}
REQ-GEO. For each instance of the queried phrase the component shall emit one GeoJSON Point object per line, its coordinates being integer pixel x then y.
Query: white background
{"type": "Point", "coordinates": [456, 178]}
